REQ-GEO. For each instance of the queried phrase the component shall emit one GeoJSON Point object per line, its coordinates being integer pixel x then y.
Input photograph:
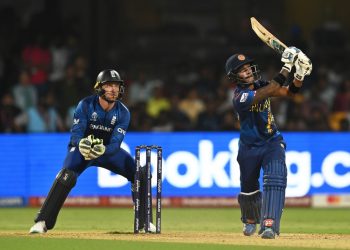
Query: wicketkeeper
{"type": "Point", "coordinates": [261, 145]}
{"type": "Point", "coordinates": [99, 126]}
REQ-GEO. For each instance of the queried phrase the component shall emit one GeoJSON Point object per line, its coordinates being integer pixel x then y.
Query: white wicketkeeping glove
{"type": "Point", "coordinates": [303, 67]}
{"type": "Point", "coordinates": [85, 145]}
{"type": "Point", "coordinates": [289, 56]}
{"type": "Point", "coordinates": [97, 149]}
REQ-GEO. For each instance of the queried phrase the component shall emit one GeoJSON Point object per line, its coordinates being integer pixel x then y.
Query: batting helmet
{"type": "Point", "coordinates": [107, 76]}
{"type": "Point", "coordinates": [235, 62]}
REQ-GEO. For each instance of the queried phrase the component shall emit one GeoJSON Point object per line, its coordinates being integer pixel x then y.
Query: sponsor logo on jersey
{"type": "Point", "coordinates": [100, 127]}
{"type": "Point", "coordinates": [244, 97]}
{"type": "Point", "coordinates": [114, 119]}
{"type": "Point", "coordinates": [122, 131]}
{"type": "Point", "coordinates": [93, 117]}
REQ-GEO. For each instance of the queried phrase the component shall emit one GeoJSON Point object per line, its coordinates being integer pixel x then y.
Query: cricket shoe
{"type": "Point", "coordinates": [249, 229]}
{"type": "Point", "coordinates": [268, 233]}
{"type": "Point", "coordinates": [38, 228]}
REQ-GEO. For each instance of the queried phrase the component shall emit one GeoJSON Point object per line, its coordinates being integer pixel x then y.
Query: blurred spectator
{"type": "Point", "coordinates": [342, 98]}
{"type": "Point", "coordinates": [9, 114]}
{"type": "Point", "coordinates": [141, 89]}
{"type": "Point", "coordinates": [157, 103]}
{"type": "Point", "coordinates": [60, 56]}
{"type": "Point", "coordinates": [338, 121]}
{"type": "Point", "coordinates": [43, 117]}
{"type": "Point", "coordinates": [229, 122]}
{"type": "Point", "coordinates": [317, 120]}
{"type": "Point", "coordinates": [344, 125]}
{"type": "Point", "coordinates": [181, 122]}
{"type": "Point", "coordinates": [37, 58]}
{"type": "Point", "coordinates": [192, 105]}
{"type": "Point", "coordinates": [84, 82]}
{"type": "Point", "coordinates": [139, 120]}
{"type": "Point", "coordinates": [209, 120]}
{"type": "Point", "coordinates": [163, 123]}
{"type": "Point", "coordinates": [24, 93]}
{"type": "Point", "coordinates": [68, 88]}
{"type": "Point", "coordinates": [295, 120]}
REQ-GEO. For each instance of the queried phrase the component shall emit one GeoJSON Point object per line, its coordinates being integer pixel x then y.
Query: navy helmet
{"type": "Point", "coordinates": [107, 76]}
{"type": "Point", "coordinates": [233, 65]}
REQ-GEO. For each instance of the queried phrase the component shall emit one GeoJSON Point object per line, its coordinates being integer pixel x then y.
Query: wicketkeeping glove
{"type": "Point", "coordinates": [97, 150]}
{"type": "Point", "coordinates": [303, 67]}
{"type": "Point", "coordinates": [289, 56]}
{"type": "Point", "coordinates": [85, 145]}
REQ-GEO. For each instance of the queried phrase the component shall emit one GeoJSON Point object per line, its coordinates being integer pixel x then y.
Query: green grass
{"type": "Point", "coordinates": [120, 221]}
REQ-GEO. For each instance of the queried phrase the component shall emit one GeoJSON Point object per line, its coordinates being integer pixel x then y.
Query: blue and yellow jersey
{"type": "Point", "coordinates": [90, 118]}
{"type": "Point", "coordinates": [257, 124]}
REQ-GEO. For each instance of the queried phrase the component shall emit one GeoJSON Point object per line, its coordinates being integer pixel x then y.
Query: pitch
{"type": "Point", "coordinates": [102, 228]}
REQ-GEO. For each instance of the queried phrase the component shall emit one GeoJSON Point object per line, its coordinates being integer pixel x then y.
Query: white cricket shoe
{"type": "Point", "coordinates": [151, 229]}
{"type": "Point", "coordinates": [38, 228]}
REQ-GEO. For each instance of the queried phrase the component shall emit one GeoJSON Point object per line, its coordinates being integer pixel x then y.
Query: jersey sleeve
{"type": "Point", "coordinates": [244, 99]}
{"type": "Point", "coordinates": [119, 132]}
{"type": "Point", "coordinates": [79, 123]}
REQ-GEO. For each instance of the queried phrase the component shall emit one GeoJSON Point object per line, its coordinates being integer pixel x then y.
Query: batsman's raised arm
{"type": "Point", "coordinates": [303, 67]}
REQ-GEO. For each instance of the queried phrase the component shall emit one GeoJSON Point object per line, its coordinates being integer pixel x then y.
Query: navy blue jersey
{"type": "Point", "coordinates": [256, 120]}
{"type": "Point", "coordinates": [90, 118]}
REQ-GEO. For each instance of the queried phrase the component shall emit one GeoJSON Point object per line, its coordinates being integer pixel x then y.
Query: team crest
{"type": "Point", "coordinates": [93, 117]}
{"type": "Point", "coordinates": [114, 119]}
{"type": "Point", "coordinates": [241, 57]}
{"type": "Point", "coordinates": [113, 73]}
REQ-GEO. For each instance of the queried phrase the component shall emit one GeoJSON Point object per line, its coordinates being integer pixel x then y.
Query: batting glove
{"type": "Point", "coordinates": [289, 56]}
{"type": "Point", "coordinates": [303, 67]}
{"type": "Point", "coordinates": [85, 145]}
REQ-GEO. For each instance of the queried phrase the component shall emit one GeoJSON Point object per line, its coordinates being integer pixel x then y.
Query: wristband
{"type": "Point", "coordinates": [280, 79]}
{"type": "Point", "coordinates": [294, 89]}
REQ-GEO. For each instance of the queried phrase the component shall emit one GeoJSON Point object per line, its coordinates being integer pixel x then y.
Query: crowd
{"type": "Point", "coordinates": [200, 101]}
{"type": "Point", "coordinates": [45, 79]}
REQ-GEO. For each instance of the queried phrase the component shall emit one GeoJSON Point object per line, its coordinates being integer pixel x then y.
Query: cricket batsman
{"type": "Point", "coordinates": [261, 145]}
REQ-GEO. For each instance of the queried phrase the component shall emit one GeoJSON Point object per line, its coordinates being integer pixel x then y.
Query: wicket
{"type": "Point", "coordinates": [148, 192]}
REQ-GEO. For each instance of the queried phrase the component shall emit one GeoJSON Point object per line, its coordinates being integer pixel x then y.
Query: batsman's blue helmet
{"type": "Point", "coordinates": [235, 62]}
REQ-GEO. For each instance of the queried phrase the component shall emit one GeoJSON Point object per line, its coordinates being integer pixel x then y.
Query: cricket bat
{"type": "Point", "coordinates": [267, 37]}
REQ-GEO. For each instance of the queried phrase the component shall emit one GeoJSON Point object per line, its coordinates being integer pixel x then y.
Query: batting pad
{"type": "Point", "coordinates": [274, 184]}
{"type": "Point", "coordinates": [64, 182]}
{"type": "Point", "coordinates": [250, 207]}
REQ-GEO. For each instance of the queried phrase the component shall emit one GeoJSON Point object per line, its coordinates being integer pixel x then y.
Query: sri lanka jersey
{"type": "Point", "coordinates": [257, 124]}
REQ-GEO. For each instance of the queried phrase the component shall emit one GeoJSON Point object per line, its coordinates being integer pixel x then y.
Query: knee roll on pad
{"type": "Point", "coordinates": [64, 182]}
{"type": "Point", "coordinates": [275, 181]}
{"type": "Point", "coordinates": [250, 207]}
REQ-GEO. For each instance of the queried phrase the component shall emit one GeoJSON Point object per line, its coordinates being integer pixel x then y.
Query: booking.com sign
{"type": "Point", "coordinates": [194, 164]}
{"type": "Point", "coordinates": [311, 170]}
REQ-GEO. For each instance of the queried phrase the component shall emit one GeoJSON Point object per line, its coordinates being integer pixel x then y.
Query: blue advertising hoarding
{"type": "Point", "coordinates": [194, 164]}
